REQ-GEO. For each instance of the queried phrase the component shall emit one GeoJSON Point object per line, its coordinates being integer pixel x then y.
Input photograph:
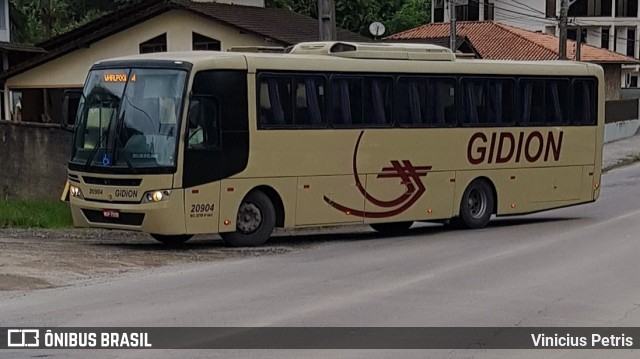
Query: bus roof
{"type": "Point", "coordinates": [318, 56]}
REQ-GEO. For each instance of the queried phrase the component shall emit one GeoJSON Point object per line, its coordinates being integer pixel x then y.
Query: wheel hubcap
{"type": "Point", "coordinates": [477, 203]}
{"type": "Point", "coordinates": [249, 218]}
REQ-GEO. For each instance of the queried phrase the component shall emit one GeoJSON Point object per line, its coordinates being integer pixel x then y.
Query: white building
{"type": "Point", "coordinates": [610, 24]}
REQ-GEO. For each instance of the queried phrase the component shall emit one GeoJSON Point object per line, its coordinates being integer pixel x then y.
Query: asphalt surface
{"type": "Point", "coordinates": [572, 267]}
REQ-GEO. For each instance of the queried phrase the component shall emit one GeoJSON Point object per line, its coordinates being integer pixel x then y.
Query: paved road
{"type": "Point", "coordinates": [572, 267]}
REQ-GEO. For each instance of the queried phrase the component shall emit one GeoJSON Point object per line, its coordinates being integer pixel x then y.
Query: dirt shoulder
{"type": "Point", "coordinates": [39, 259]}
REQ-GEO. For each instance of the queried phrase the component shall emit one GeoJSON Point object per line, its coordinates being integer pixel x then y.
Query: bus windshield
{"type": "Point", "coordinates": [129, 118]}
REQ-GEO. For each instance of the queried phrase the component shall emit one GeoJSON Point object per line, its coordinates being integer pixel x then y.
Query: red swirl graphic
{"type": "Point", "coordinates": [409, 176]}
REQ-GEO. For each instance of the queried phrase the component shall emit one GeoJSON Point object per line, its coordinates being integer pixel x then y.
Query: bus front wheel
{"type": "Point", "coordinates": [476, 206]}
{"type": "Point", "coordinates": [255, 222]}
{"type": "Point", "coordinates": [175, 240]}
{"type": "Point", "coordinates": [391, 228]}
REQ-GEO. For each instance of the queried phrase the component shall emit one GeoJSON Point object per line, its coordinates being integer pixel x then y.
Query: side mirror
{"type": "Point", "coordinates": [69, 103]}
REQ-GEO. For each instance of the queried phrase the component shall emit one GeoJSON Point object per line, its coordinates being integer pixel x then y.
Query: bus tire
{"type": "Point", "coordinates": [392, 227]}
{"type": "Point", "coordinates": [172, 240]}
{"type": "Point", "coordinates": [476, 206]}
{"type": "Point", "coordinates": [255, 222]}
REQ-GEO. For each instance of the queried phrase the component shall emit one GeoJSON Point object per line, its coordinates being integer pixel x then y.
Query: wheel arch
{"type": "Point", "coordinates": [276, 199]}
{"type": "Point", "coordinates": [493, 191]}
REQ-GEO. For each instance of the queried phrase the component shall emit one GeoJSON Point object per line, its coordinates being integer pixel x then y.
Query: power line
{"type": "Point", "coordinates": [512, 11]}
{"type": "Point", "coordinates": [527, 7]}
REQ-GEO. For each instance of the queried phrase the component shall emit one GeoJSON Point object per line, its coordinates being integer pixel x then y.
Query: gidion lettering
{"type": "Point", "coordinates": [126, 193]}
{"type": "Point", "coordinates": [504, 147]}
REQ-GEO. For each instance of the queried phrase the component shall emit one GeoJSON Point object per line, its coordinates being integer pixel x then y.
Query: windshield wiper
{"type": "Point", "coordinates": [126, 155]}
{"type": "Point", "coordinates": [95, 150]}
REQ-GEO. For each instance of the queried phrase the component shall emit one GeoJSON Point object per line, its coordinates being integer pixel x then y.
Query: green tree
{"type": "Point", "coordinates": [33, 21]}
{"type": "Point", "coordinates": [357, 15]}
{"type": "Point", "coordinates": [413, 13]}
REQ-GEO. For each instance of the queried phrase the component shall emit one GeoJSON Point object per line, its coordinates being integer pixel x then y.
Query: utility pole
{"type": "Point", "coordinates": [562, 46]}
{"type": "Point", "coordinates": [579, 44]}
{"type": "Point", "coordinates": [327, 19]}
{"type": "Point", "coordinates": [452, 24]}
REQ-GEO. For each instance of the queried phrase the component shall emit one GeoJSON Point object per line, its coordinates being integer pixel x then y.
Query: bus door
{"type": "Point", "coordinates": [217, 144]}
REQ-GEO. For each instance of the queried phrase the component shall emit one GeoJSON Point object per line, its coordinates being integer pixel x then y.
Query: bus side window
{"type": "Point", "coordinates": [340, 104]}
{"type": "Point", "coordinates": [275, 101]}
{"type": "Point", "coordinates": [544, 101]}
{"type": "Point", "coordinates": [309, 102]}
{"type": "Point", "coordinates": [444, 90]}
{"type": "Point", "coordinates": [377, 101]}
{"type": "Point", "coordinates": [584, 102]}
{"type": "Point", "coordinates": [557, 96]}
{"type": "Point", "coordinates": [346, 101]}
{"type": "Point", "coordinates": [487, 101]}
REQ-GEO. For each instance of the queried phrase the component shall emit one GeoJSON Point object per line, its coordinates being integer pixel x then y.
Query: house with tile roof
{"type": "Point", "coordinates": [609, 24]}
{"type": "Point", "coordinates": [496, 41]}
{"type": "Point", "coordinates": [149, 26]}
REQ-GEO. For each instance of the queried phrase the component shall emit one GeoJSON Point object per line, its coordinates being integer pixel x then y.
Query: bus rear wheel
{"type": "Point", "coordinates": [391, 228]}
{"type": "Point", "coordinates": [255, 222]}
{"type": "Point", "coordinates": [174, 241]}
{"type": "Point", "coordinates": [476, 206]}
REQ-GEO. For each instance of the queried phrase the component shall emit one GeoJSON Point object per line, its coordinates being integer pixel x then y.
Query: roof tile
{"type": "Point", "coordinates": [496, 41]}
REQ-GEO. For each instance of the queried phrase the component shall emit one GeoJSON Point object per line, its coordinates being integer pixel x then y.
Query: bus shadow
{"type": "Point", "coordinates": [300, 239]}
{"type": "Point", "coordinates": [513, 221]}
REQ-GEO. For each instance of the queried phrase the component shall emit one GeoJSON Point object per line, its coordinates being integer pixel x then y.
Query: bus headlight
{"type": "Point", "coordinates": [156, 196]}
{"type": "Point", "coordinates": [75, 192]}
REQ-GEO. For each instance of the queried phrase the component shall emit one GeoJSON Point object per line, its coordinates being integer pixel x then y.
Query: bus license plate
{"type": "Point", "coordinates": [111, 213]}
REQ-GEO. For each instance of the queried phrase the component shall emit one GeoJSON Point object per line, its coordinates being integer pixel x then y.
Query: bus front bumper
{"type": "Point", "coordinates": [164, 217]}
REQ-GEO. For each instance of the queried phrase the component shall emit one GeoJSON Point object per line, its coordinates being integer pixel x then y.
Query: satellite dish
{"type": "Point", "coordinates": [376, 29]}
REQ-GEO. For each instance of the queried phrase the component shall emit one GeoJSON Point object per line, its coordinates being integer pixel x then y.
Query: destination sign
{"type": "Point", "coordinates": [118, 77]}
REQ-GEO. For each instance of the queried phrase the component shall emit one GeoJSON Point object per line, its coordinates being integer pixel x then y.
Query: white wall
{"type": "Point", "coordinates": [526, 14]}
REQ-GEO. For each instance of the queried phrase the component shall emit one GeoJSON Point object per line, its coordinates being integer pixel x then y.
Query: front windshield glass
{"type": "Point", "coordinates": [129, 118]}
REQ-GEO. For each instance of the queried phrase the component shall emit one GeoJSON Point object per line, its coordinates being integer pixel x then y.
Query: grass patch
{"type": "Point", "coordinates": [35, 214]}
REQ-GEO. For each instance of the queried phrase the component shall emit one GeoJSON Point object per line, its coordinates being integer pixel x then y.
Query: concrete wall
{"type": "Point", "coordinates": [33, 160]}
{"type": "Point", "coordinates": [618, 130]}
{"type": "Point", "coordinates": [613, 81]}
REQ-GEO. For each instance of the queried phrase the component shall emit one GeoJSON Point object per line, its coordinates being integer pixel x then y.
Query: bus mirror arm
{"type": "Point", "coordinates": [68, 96]}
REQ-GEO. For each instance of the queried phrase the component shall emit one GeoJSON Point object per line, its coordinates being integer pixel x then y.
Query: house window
{"type": "Point", "coordinates": [157, 44]}
{"type": "Point", "coordinates": [551, 8]}
{"type": "Point", "coordinates": [204, 43]}
{"type": "Point", "coordinates": [470, 12]}
{"type": "Point", "coordinates": [3, 23]}
{"type": "Point", "coordinates": [572, 34]}
{"type": "Point", "coordinates": [604, 40]}
{"type": "Point", "coordinates": [438, 11]}
{"type": "Point", "coordinates": [631, 42]}
{"type": "Point", "coordinates": [488, 11]}
{"type": "Point", "coordinates": [626, 8]}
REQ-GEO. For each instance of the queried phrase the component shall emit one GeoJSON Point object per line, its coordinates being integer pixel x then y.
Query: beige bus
{"type": "Point", "coordinates": [330, 133]}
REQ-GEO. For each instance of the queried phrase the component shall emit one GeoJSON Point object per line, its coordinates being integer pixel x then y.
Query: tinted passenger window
{"type": "Point", "coordinates": [425, 102]}
{"type": "Point", "coordinates": [584, 93]}
{"type": "Point", "coordinates": [291, 101]}
{"type": "Point", "coordinates": [361, 101]}
{"type": "Point", "coordinates": [544, 101]}
{"type": "Point", "coordinates": [487, 101]}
